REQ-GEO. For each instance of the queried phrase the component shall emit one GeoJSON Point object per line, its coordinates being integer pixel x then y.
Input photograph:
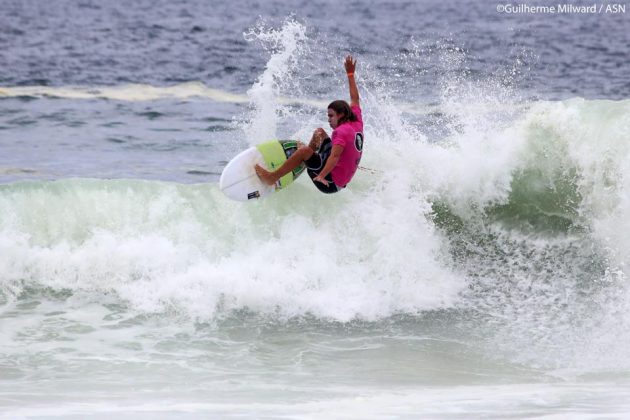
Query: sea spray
{"type": "Point", "coordinates": [286, 45]}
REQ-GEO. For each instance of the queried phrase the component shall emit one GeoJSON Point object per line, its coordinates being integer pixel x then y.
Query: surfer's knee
{"type": "Point", "coordinates": [318, 136]}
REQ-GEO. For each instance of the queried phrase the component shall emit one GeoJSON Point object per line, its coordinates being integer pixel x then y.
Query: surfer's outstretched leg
{"type": "Point", "coordinates": [302, 154]}
{"type": "Point", "coordinates": [296, 159]}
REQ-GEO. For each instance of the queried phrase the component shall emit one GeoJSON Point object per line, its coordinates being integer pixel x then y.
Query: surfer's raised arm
{"type": "Point", "coordinates": [350, 65]}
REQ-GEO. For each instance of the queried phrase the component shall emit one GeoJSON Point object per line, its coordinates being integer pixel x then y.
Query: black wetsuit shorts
{"type": "Point", "coordinates": [316, 163]}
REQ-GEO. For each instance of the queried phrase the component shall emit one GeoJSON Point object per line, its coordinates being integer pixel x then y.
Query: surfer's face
{"type": "Point", "coordinates": [333, 118]}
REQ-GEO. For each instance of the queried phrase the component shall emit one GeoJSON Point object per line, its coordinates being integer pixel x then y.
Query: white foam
{"type": "Point", "coordinates": [162, 247]}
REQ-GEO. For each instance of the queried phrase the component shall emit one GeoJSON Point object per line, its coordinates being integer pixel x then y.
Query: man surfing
{"type": "Point", "coordinates": [331, 162]}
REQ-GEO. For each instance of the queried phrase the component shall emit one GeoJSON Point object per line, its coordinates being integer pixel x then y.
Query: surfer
{"type": "Point", "coordinates": [331, 163]}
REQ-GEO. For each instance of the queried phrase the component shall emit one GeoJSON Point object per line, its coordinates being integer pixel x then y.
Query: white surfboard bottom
{"type": "Point", "coordinates": [239, 180]}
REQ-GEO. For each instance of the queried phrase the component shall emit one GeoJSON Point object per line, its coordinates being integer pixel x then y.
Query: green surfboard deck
{"type": "Point", "coordinates": [274, 155]}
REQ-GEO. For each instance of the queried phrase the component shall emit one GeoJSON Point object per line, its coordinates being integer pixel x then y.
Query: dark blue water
{"type": "Point", "coordinates": [86, 42]}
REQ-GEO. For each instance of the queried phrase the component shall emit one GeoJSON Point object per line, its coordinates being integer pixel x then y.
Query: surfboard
{"type": "Point", "coordinates": [239, 180]}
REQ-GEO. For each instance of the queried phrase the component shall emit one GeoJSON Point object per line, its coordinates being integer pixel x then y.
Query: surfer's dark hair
{"type": "Point", "coordinates": [342, 107]}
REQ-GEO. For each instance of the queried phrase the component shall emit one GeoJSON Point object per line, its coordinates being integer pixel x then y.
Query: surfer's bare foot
{"type": "Point", "coordinates": [265, 176]}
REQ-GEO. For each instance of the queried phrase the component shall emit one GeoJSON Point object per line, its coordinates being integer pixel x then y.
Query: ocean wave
{"type": "Point", "coordinates": [129, 235]}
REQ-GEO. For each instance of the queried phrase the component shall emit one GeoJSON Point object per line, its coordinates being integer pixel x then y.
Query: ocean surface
{"type": "Point", "coordinates": [476, 268]}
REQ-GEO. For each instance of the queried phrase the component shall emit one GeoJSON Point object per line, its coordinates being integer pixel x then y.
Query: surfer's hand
{"type": "Point", "coordinates": [350, 64]}
{"type": "Point", "coordinates": [321, 179]}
